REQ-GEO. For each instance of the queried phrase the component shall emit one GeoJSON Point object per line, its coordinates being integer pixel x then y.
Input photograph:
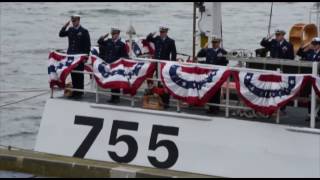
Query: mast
{"type": "Point", "coordinates": [270, 18]}
{"type": "Point", "coordinates": [318, 17]}
{"type": "Point", "coordinates": [210, 22]}
{"type": "Point", "coordinates": [131, 31]}
{"type": "Point", "coordinates": [194, 32]}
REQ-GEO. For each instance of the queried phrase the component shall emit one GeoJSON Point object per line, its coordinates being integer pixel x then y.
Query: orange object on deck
{"type": "Point", "coordinates": [301, 34]}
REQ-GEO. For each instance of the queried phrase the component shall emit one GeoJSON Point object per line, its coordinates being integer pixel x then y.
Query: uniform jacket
{"type": "Point", "coordinates": [214, 57]}
{"type": "Point", "coordinates": [79, 40]}
{"type": "Point", "coordinates": [283, 51]}
{"type": "Point", "coordinates": [163, 49]}
{"type": "Point", "coordinates": [309, 55]}
{"type": "Point", "coordinates": [111, 51]}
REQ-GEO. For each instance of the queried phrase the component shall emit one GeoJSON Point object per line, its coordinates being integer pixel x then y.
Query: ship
{"type": "Point", "coordinates": [92, 138]}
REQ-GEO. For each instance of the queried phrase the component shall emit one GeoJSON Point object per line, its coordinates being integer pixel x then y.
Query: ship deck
{"type": "Point", "coordinates": [294, 116]}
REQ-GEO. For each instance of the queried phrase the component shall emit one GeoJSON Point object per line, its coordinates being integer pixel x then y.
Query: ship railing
{"type": "Point", "coordinates": [226, 89]}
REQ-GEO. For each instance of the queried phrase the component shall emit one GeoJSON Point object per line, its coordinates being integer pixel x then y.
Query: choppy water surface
{"type": "Point", "coordinates": [29, 30]}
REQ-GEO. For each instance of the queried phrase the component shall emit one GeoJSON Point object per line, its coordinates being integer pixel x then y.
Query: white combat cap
{"type": "Point", "coordinates": [115, 30]}
{"type": "Point", "coordinates": [280, 31]}
{"type": "Point", "coordinates": [215, 38]}
{"type": "Point", "coordinates": [163, 28]}
{"type": "Point", "coordinates": [75, 16]}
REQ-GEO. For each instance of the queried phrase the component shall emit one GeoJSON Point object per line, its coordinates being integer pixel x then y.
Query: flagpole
{"type": "Point", "coordinates": [270, 18]}
{"type": "Point", "coordinates": [194, 33]}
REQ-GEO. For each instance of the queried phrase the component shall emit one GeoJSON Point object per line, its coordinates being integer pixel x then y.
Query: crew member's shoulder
{"type": "Point", "coordinates": [121, 41]}
{"type": "Point", "coordinates": [288, 43]}
{"type": "Point", "coordinates": [170, 39]}
{"type": "Point", "coordinates": [83, 29]}
{"type": "Point", "coordinates": [223, 50]}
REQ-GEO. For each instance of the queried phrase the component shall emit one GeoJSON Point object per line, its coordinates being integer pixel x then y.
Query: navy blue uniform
{"type": "Point", "coordinates": [163, 48]}
{"type": "Point", "coordinates": [79, 43]}
{"type": "Point", "coordinates": [110, 52]}
{"type": "Point", "coordinates": [309, 55]}
{"type": "Point", "coordinates": [214, 57]}
{"type": "Point", "coordinates": [283, 51]}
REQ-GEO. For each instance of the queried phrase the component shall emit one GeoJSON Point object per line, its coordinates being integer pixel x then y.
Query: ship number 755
{"type": "Point", "coordinates": [97, 125]}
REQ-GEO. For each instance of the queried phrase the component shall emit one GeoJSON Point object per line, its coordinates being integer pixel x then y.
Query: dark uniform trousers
{"type": "Point", "coordinates": [111, 51]}
{"type": "Point", "coordinates": [214, 57]}
{"type": "Point", "coordinates": [163, 49]}
{"type": "Point", "coordinates": [79, 43]}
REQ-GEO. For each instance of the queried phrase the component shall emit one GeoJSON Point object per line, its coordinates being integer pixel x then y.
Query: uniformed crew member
{"type": "Point", "coordinates": [165, 49]}
{"type": "Point", "coordinates": [110, 50]}
{"type": "Point", "coordinates": [310, 52]}
{"type": "Point", "coordinates": [279, 47]}
{"type": "Point", "coordinates": [164, 45]}
{"type": "Point", "coordinates": [214, 56]}
{"type": "Point", "coordinates": [79, 43]}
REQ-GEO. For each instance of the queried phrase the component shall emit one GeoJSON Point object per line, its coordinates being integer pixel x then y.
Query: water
{"type": "Point", "coordinates": [29, 30]}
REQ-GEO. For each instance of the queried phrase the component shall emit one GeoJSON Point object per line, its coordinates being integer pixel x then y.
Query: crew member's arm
{"type": "Point", "coordinates": [291, 52]}
{"type": "Point", "coordinates": [202, 53]}
{"type": "Point", "coordinates": [87, 42]}
{"type": "Point", "coordinates": [124, 52]}
{"type": "Point", "coordinates": [101, 39]}
{"type": "Point", "coordinates": [301, 52]}
{"type": "Point", "coordinates": [64, 32]}
{"type": "Point", "coordinates": [150, 37]}
{"type": "Point", "coordinates": [173, 51]}
{"type": "Point", "coordinates": [224, 60]}
{"type": "Point", "coordinates": [266, 43]}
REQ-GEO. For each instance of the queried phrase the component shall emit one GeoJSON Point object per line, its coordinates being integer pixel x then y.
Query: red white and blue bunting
{"type": "Point", "coordinates": [122, 74]}
{"type": "Point", "coordinates": [191, 83]}
{"type": "Point", "coordinates": [267, 93]}
{"type": "Point", "coordinates": [316, 84]}
{"type": "Point", "coordinates": [264, 92]}
{"type": "Point", "coordinates": [60, 65]}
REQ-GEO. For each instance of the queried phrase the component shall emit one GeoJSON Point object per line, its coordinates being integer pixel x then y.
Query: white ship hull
{"type": "Point", "coordinates": [216, 146]}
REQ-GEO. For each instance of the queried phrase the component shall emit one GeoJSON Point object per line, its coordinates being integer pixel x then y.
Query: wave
{"type": "Point", "coordinates": [22, 133]}
{"type": "Point", "coordinates": [107, 11]}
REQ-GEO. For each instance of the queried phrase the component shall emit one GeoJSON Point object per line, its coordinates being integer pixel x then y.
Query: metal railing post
{"type": "Point", "coordinates": [158, 70]}
{"type": "Point", "coordinates": [132, 101]}
{"type": "Point", "coordinates": [178, 106]}
{"type": "Point", "coordinates": [278, 111]}
{"type": "Point", "coordinates": [227, 97]}
{"type": "Point", "coordinates": [97, 93]}
{"type": "Point", "coordinates": [313, 98]}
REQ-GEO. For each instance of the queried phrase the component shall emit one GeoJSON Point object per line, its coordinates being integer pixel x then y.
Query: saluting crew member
{"type": "Point", "coordinates": [165, 49]}
{"type": "Point", "coordinates": [110, 50]}
{"type": "Point", "coordinates": [279, 47]}
{"type": "Point", "coordinates": [214, 56]}
{"type": "Point", "coordinates": [164, 45]}
{"type": "Point", "coordinates": [311, 51]}
{"type": "Point", "coordinates": [79, 43]}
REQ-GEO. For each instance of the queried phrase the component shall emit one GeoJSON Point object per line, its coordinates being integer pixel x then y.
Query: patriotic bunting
{"type": "Point", "coordinates": [122, 74]}
{"type": "Point", "coordinates": [60, 65]}
{"type": "Point", "coordinates": [266, 93]}
{"type": "Point", "coordinates": [316, 84]}
{"type": "Point", "coordinates": [192, 84]}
